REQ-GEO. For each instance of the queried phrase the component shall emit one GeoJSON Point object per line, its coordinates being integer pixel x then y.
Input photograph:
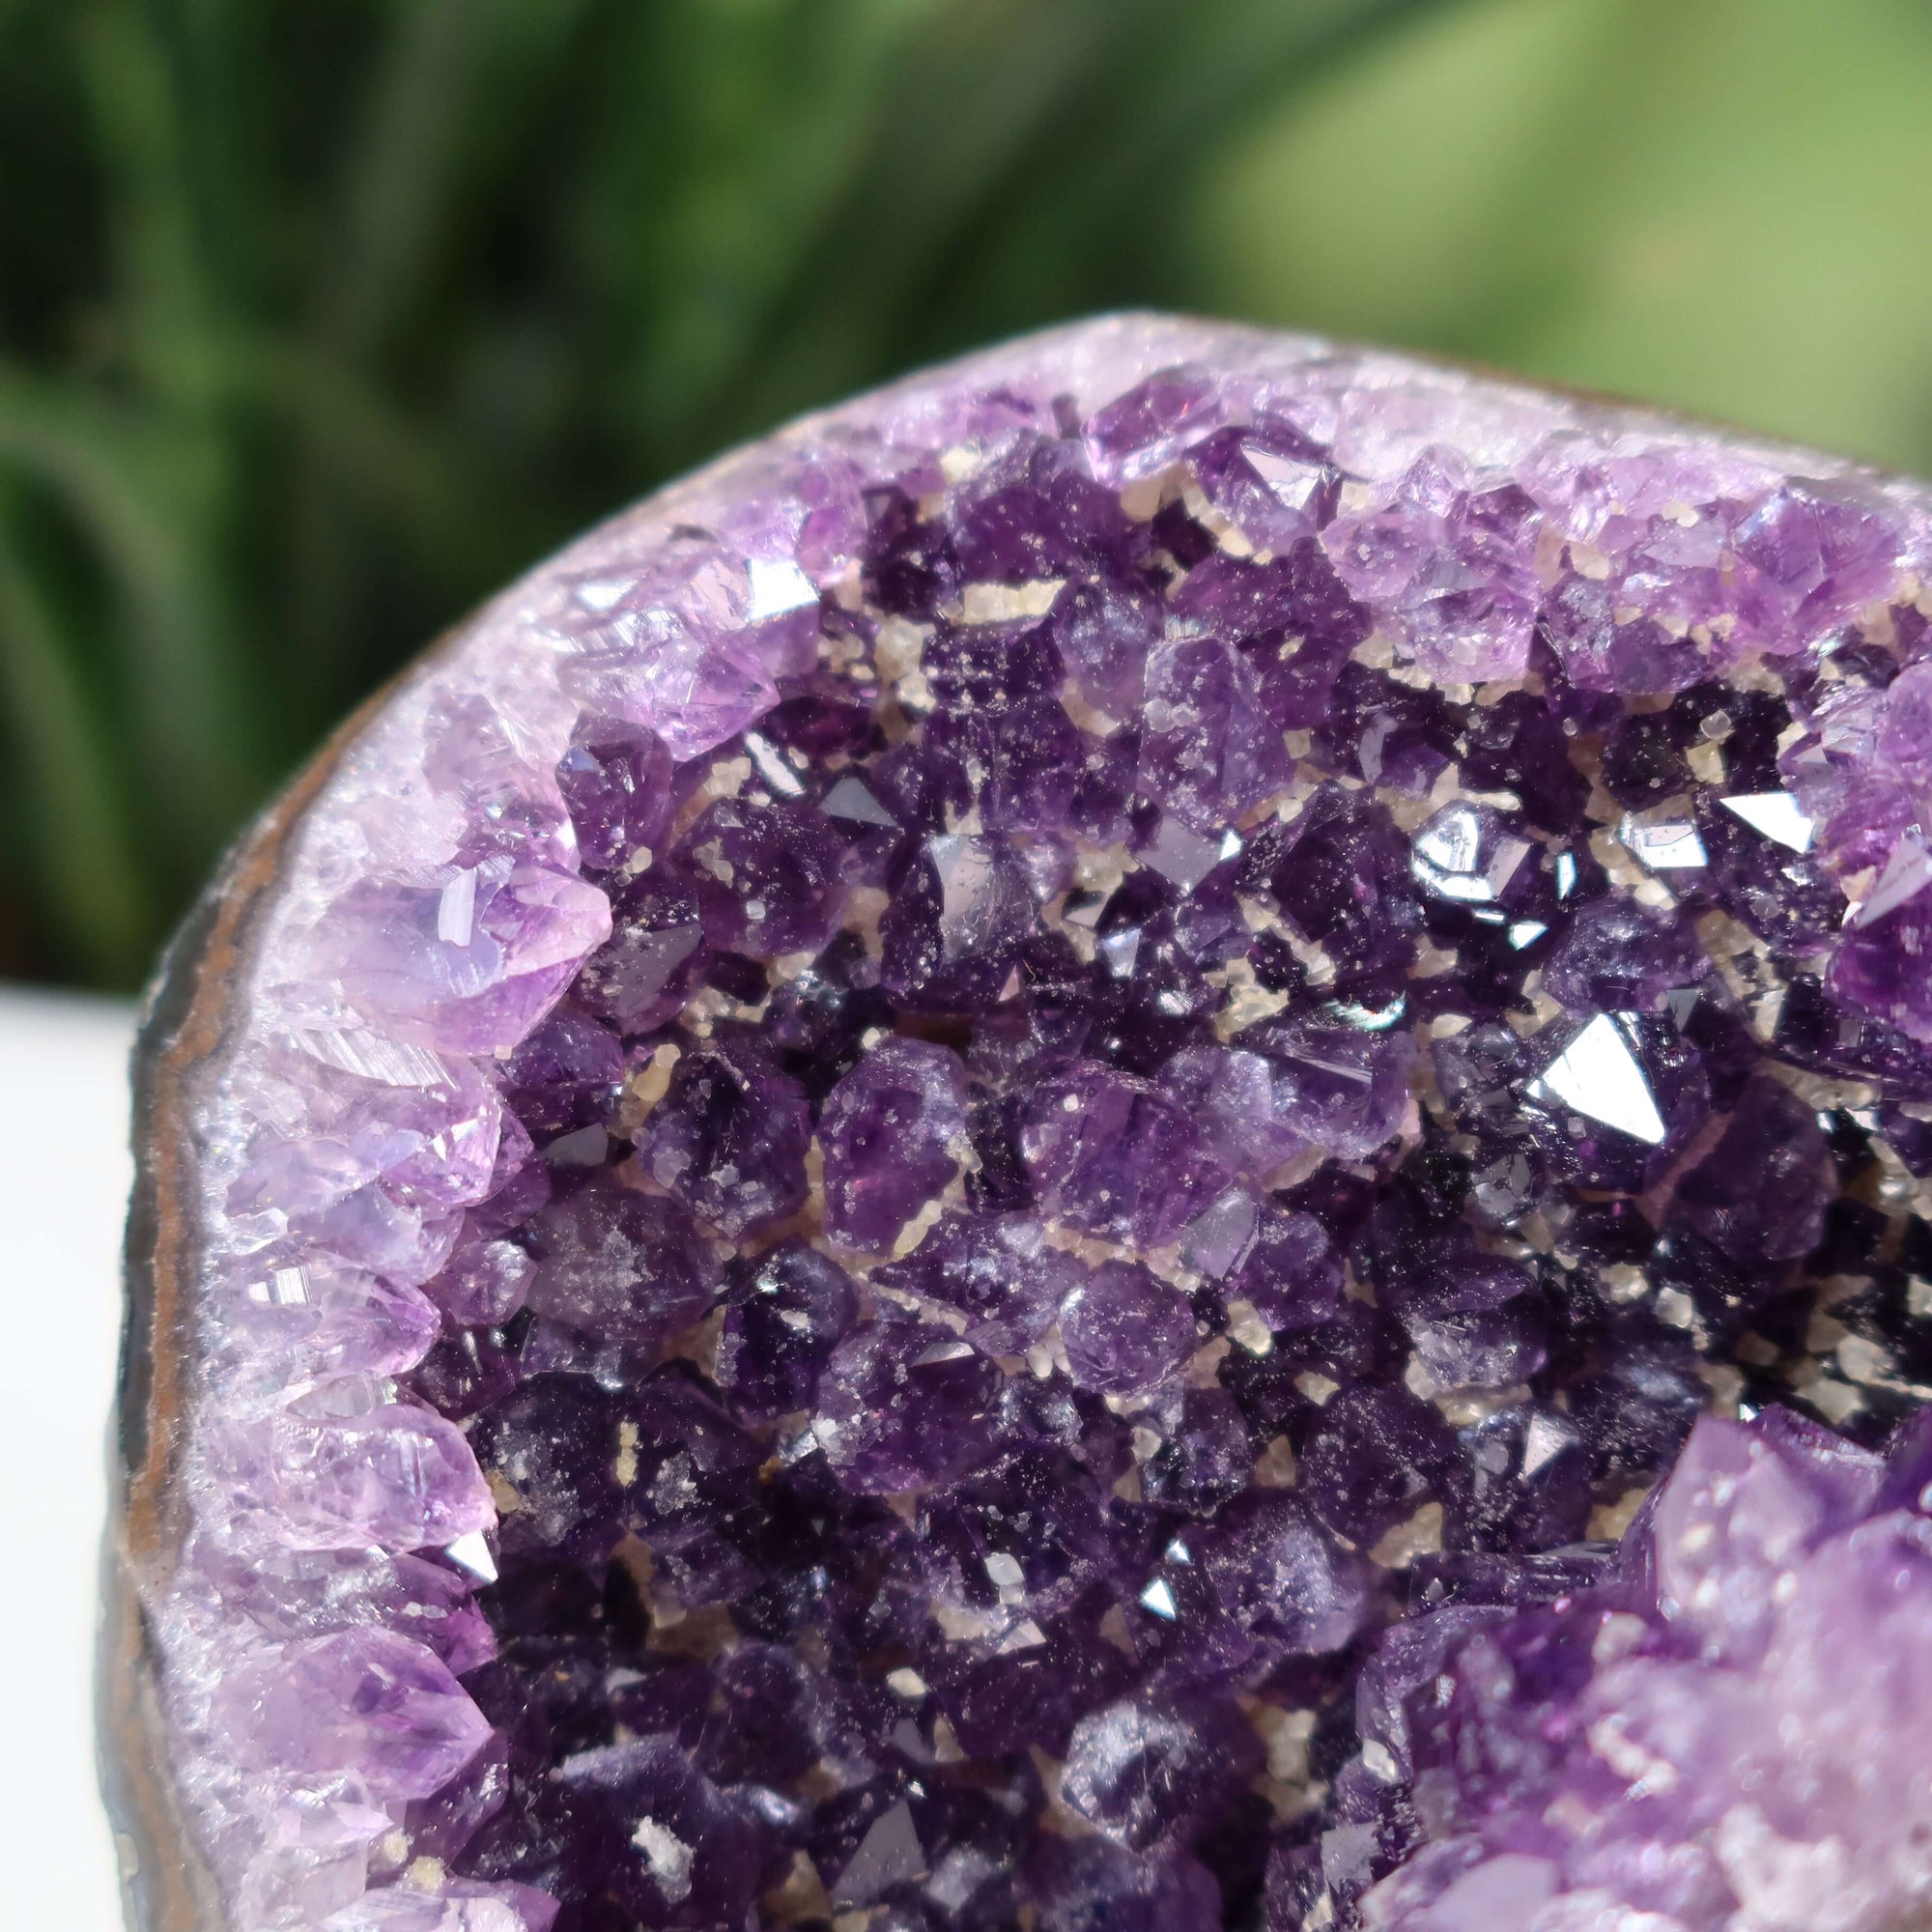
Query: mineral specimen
{"type": "Point", "coordinates": [1131, 1142]}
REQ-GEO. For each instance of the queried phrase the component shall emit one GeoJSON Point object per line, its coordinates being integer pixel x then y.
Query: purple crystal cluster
{"type": "Point", "coordinates": [989, 1174]}
{"type": "Point", "coordinates": [1719, 1722]}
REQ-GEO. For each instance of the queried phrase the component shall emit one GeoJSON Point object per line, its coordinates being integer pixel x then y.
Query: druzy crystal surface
{"type": "Point", "coordinates": [1130, 1142]}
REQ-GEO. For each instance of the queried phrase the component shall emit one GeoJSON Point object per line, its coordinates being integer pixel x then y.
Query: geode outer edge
{"type": "Point", "coordinates": [165, 1882]}
{"type": "Point", "coordinates": [199, 1005]}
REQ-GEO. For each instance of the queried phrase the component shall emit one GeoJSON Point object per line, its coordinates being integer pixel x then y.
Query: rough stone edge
{"type": "Point", "coordinates": [166, 1885]}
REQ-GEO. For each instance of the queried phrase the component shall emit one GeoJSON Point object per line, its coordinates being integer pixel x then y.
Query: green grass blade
{"type": "Point", "coordinates": [122, 485]}
{"type": "Point", "coordinates": [66, 790]}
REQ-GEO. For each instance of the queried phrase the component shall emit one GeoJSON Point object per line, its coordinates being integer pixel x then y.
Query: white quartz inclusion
{"type": "Point", "coordinates": [668, 1856]}
{"type": "Point", "coordinates": [1598, 1076]}
{"type": "Point", "coordinates": [773, 768]}
{"type": "Point", "coordinates": [1777, 815]}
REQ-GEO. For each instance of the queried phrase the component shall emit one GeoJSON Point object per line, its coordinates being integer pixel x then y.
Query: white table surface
{"type": "Point", "coordinates": [64, 1178]}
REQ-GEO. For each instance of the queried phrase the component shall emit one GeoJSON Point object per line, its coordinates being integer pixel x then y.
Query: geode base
{"type": "Point", "coordinates": [1134, 1140]}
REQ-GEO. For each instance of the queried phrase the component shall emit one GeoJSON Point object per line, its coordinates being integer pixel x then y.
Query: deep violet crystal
{"type": "Point", "coordinates": [1134, 1142]}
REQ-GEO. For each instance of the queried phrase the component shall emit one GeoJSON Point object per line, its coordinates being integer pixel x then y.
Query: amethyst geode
{"type": "Point", "coordinates": [1130, 1142]}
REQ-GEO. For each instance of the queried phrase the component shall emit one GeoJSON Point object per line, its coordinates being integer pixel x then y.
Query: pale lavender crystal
{"type": "Point", "coordinates": [304, 1593]}
{"type": "Point", "coordinates": [458, 1906]}
{"type": "Point", "coordinates": [1733, 1739]}
{"type": "Point", "coordinates": [325, 1319]}
{"type": "Point", "coordinates": [367, 1702]}
{"type": "Point", "coordinates": [484, 1281]}
{"type": "Point", "coordinates": [962, 1181]}
{"type": "Point", "coordinates": [391, 1476]}
{"type": "Point", "coordinates": [466, 965]}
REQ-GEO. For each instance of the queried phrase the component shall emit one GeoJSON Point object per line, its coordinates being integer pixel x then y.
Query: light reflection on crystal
{"type": "Point", "coordinates": [779, 587]}
{"type": "Point", "coordinates": [1667, 847]}
{"type": "Point", "coordinates": [1777, 815]}
{"type": "Point", "coordinates": [850, 800]}
{"type": "Point", "coordinates": [1184, 855]}
{"type": "Point", "coordinates": [772, 767]}
{"type": "Point", "coordinates": [285, 1288]}
{"type": "Point", "coordinates": [456, 909]}
{"type": "Point", "coordinates": [1293, 483]}
{"type": "Point", "coordinates": [1459, 856]}
{"type": "Point", "coordinates": [1120, 950]}
{"type": "Point", "coordinates": [1220, 1238]}
{"type": "Point", "coordinates": [1158, 1598]}
{"type": "Point", "coordinates": [1366, 1020]}
{"type": "Point", "coordinates": [888, 1855]}
{"type": "Point", "coordinates": [1600, 1075]}
{"type": "Point", "coordinates": [471, 1552]}
{"type": "Point", "coordinates": [971, 892]}
{"type": "Point", "coordinates": [1907, 872]}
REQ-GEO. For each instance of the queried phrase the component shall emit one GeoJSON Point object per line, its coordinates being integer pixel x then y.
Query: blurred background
{"type": "Point", "coordinates": [319, 319]}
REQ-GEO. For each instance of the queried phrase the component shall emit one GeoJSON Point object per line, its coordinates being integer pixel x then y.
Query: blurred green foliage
{"type": "Point", "coordinates": [320, 318]}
